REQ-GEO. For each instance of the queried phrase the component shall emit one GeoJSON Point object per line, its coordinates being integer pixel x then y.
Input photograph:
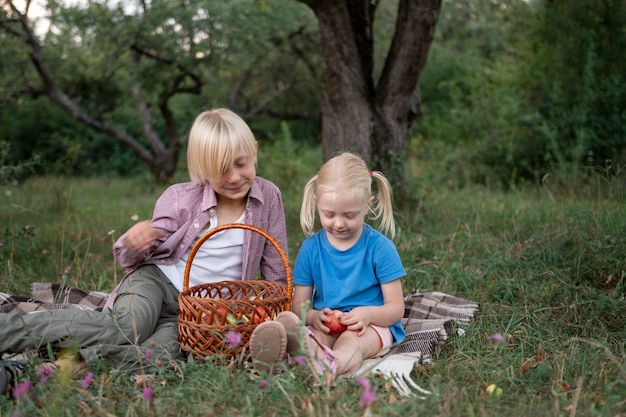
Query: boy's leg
{"type": "Point", "coordinates": [152, 355]}
{"type": "Point", "coordinates": [67, 328]}
{"type": "Point", "coordinates": [154, 327]}
{"type": "Point", "coordinates": [134, 318]}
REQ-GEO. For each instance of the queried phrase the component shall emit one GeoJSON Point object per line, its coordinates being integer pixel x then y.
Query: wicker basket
{"type": "Point", "coordinates": [209, 311]}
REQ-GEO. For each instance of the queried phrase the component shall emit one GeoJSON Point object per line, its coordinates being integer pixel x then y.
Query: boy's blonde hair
{"type": "Point", "coordinates": [215, 139]}
{"type": "Point", "coordinates": [349, 172]}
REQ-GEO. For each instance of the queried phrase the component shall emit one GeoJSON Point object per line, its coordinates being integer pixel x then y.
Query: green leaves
{"type": "Point", "coordinates": [133, 71]}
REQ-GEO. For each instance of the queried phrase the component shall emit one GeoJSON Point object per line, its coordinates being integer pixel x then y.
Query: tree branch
{"type": "Point", "coordinates": [147, 121]}
{"type": "Point", "coordinates": [197, 81]}
{"type": "Point", "coordinates": [56, 95]}
{"type": "Point", "coordinates": [362, 24]}
{"type": "Point", "coordinates": [260, 107]}
{"type": "Point", "coordinates": [415, 28]}
{"type": "Point", "coordinates": [299, 53]}
{"type": "Point", "coordinates": [6, 23]}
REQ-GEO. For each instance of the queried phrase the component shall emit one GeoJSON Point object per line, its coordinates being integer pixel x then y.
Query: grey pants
{"type": "Point", "coordinates": [139, 332]}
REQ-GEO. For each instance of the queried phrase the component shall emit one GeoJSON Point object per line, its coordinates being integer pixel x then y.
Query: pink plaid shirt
{"type": "Point", "coordinates": [183, 210]}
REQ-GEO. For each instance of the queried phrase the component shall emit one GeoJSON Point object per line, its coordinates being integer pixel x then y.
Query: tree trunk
{"type": "Point", "coordinates": [358, 114]}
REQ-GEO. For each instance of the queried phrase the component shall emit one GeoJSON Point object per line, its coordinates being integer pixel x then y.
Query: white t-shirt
{"type": "Point", "coordinates": [218, 259]}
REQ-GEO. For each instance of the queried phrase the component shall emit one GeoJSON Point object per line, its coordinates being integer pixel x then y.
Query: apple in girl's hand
{"type": "Point", "coordinates": [333, 323]}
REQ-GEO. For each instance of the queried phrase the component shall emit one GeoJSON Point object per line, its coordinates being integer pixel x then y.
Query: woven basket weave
{"type": "Point", "coordinates": [209, 311]}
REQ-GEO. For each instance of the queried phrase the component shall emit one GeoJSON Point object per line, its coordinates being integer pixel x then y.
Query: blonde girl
{"type": "Point", "coordinates": [347, 268]}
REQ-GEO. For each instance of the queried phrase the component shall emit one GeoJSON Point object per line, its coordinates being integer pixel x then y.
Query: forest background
{"type": "Point", "coordinates": [514, 193]}
{"type": "Point", "coordinates": [512, 91]}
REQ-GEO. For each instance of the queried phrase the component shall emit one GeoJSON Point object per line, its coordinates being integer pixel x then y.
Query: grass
{"type": "Point", "coordinates": [546, 264]}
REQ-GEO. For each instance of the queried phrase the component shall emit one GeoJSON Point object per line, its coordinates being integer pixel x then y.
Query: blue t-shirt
{"type": "Point", "coordinates": [351, 278]}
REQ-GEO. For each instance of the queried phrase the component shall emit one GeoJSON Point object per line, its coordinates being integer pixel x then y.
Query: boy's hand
{"type": "Point", "coordinates": [139, 238]}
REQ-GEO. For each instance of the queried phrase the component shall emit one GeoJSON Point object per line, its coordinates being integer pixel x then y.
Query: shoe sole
{"type": "Point", "coordinates": [268, 344]}
{"type": "Point", "coordinates": [294, 329]}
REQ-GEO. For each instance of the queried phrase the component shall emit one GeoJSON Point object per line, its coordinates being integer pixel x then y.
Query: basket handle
{"type": "Point", "coordinates": [262, 232]}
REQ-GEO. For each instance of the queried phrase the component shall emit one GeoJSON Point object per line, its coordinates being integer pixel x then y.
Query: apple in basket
{"type": "Point", "coordinates": [218, 315]}
{"type": "Point", "coordinates": [333, 323]}
{"type": "Point", "coordinates": [261, 315]}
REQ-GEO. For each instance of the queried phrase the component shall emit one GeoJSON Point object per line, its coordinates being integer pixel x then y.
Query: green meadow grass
{"type": "Point", "coordinates": [546, 264]}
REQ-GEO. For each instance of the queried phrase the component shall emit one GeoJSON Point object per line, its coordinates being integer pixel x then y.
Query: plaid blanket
{"type": "Point", "coordinates": [429, 318]}
{"type": "Point", "coordinates": [48, 296]}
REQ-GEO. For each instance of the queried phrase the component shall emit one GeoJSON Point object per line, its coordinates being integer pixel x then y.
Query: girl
{"type": "Point", "coordinates": [142, 311]}
{"type": "Point", "coordinates": [347, 268]}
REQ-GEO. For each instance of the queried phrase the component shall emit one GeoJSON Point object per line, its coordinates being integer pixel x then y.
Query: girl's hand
{"type": "Point", "coordinates": [357, 320]}
{"type": "Point", "coordinates": [319, 319]}
{"type": "Point", "coordinates": [139, 238]}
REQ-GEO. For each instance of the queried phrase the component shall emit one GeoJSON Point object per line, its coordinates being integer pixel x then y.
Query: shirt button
{"type": "Point", "coordinates": [196, 225]}
{"type": "Point", "coordinates": [211, 211]}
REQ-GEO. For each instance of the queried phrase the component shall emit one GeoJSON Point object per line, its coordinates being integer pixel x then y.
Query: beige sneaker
{"type": "Point", "coordinates": [268, 345]}
{"type": "Point", "coordinates": [295, 331]}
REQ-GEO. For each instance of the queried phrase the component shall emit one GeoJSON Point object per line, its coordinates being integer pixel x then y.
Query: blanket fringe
{"type": "Point", "coordinates": [397, 369]}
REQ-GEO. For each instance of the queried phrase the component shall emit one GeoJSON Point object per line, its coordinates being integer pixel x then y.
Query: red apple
{"type": "Point", "coordinates": [260, 316]}
{"type": "Point", "coordinates": [219, 315]}
{"type": "Point", "coordinates": [333, 323]}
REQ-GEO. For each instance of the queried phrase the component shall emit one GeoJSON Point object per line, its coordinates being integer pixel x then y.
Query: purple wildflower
{"type": "Point", "coordinates": [263, 384]}
{"type": "Point", "coordinates": [300, 360]}
{"type": "Point", "coordinates": [364, 383]}
{"type": "Point", "coordinates": [233, 339]}
{"type": "Point", "coordinates": [368, 396]}
{"type": "Point", "coordinates": [87, 380]}
{"type": "Point", "coordinates": [68, 269]}
{"type": "Point", "coordinates": [44, 374]}
{"type": "Point", "coordinates": [22, 389]}
{"type": "Point", "coordinates": [149, 354]}
{"type": "Point", "coordinates": [497, 338]}
{"type": "Point", "coordinates": [147, 394]}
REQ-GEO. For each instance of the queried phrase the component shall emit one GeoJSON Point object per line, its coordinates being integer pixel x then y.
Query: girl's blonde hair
{"type": "Point", "coordinates": [349, 172]}
{"type": "Point", "coordinates": [215, 139]}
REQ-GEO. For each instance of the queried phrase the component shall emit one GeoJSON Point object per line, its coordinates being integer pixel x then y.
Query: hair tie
{"type": "Point", "coordinates": [371, 173]}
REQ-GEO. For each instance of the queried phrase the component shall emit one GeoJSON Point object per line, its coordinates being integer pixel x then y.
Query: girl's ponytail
{"type": "Point", "coordinates": [382, 208]}
{"type": "Point", "coordinates": [307, 210]}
